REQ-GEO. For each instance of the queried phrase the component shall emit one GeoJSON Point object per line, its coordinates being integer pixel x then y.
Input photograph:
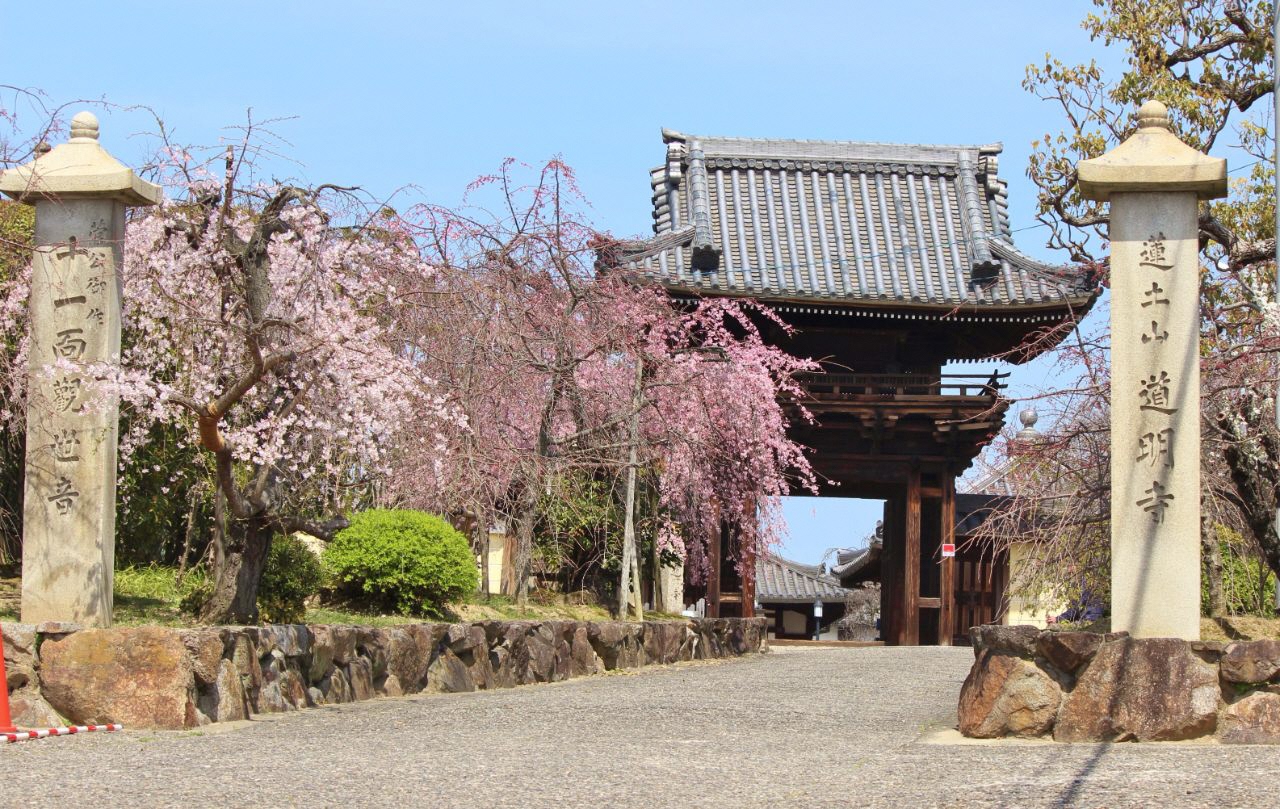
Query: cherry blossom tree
{"type": "Point", "coordinates": [260, 320]}
{"type": "Point", "coordinates": [551, 357]}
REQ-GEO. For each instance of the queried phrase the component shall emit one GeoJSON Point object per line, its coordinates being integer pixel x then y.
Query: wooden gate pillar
{"type": "Point", "coordinates": [947, 580]}
{"type": "Point", "coordinates": [909, 593]}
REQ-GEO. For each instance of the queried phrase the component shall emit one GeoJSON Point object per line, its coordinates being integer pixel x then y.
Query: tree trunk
{"type": "Point", "coordinates": [234, 599]}
{"type": "Point", "coordinates": [629, 579]}
{"type": "Point", "coordinates": [1212, 551]}
{"type": "Point", "coordinates": [1253, 457]}
{"type": "Point", "coordinates": [522, 561]}
{"type": "Point", "coordinates": [482, 540]}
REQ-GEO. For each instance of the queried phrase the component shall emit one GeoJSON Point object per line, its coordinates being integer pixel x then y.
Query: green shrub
{"type": "Point", "coordinates": [401, 561]}
{"type": "Point", "coordinates": [291, 576]}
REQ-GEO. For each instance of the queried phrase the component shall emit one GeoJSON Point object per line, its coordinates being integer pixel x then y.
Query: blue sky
{"type": "Point", "coordinates": [385, 95]}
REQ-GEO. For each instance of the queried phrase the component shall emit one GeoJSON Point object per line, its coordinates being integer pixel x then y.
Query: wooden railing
{"type": "Point", "coordinates": [903, 384]}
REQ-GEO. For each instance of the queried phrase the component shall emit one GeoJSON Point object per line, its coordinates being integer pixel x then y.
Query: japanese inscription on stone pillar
{"type": "Point", "coordinates": [1153, 182]}
{"type": "Point", "coordinates": [80, 193]}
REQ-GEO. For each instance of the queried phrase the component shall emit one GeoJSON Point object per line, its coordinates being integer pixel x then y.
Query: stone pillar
{"type": "Point", "coordinates": [1154, 183]}
{"type": "Point", "coordinates": [80, 193]}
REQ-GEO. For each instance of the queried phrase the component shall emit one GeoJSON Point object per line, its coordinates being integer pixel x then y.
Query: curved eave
{"type": "Point", "coordinates": [1041, 311]}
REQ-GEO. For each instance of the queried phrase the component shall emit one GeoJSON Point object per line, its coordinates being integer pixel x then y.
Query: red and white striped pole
{"type": "Point", "coordinates": [24, 735]}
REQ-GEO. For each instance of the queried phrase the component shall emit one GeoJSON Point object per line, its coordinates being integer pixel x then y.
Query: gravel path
{"type": "Point", "coordinates": [798, 727]}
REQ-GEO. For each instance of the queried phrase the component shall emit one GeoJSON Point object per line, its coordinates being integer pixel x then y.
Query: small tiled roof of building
{"type": "Point", "coordinates": [846, 223]}
{"type": "Point", "coordinates": [782, 580]}
{"type": "Point", "coordinates": [851, 561]}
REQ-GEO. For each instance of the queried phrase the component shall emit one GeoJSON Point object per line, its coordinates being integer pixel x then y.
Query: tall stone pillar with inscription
{"type": "Point", "coordinates": [80, 193]}
{"type": "Point", "coordinates": [1154, 183]}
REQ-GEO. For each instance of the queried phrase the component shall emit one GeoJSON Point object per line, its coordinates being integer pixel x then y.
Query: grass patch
{"type": "Point", "coordinates": [341, 615]}
{"type": "Point", "coordinates": [10, 600]}
{"type": "Point", "coordinates": [503, 608]}
{"type": "Point", "coordinates": [151, 596]}
{"type": "Point", "coordinates": [1239, 627]}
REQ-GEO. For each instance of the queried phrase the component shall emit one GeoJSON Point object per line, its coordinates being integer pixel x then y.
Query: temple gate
{"type": "Point", "coordinates": [890, 261]}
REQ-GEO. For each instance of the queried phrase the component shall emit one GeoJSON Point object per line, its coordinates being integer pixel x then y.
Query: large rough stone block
{"type": "Point", "coordinates": [244, 656]}
{"type": "Point", "coordinates": [342, 639]}
{"type": "Point", "coordinates": [335, 688]}
{"type": "Point", "coordinates": [29, 710]}
{"type": "Point", "coordinates": [225, 700]}
{"type": "Point", "coordinates": [470, 644]}
{"type": "Point", "coordinates": [1253, 720]}
{"type": "Point", "coordinates": [619, 645]}
{"type": "Point", "coordinates": [540, 649]}
{"type": "Point", "coordinates": [662, 641]}
{"type": "Point", "coordinates": [206, 649]}
{"type": "Point", "coordinates": [710, 639]}
{"type": "Point", "coordinates": [449, 674]}
{"type": "Point", "coordinates": [583, 658]}
{"type": "Point", "coordinates": [549, 652]}
{"type": "Point", "coordinates": [1005, 695]}
{"type": "Point", "coordinates": [19, 641]}
{"type": "Point", "coordinates": [1254, 661]}
{"type": "Point", "coordinates": [1147, 689]}
{"type": "Point", "coordinates": [1019, 641]}
{"type": "Point", "coordinates": [141, 677]}
{"type": "Point", "coordinates": [360, 675]}
{"type": "Point", "coordinates": [271, 699]}
{"type": "Point", "coordinates": [1068, 651]}
{"type": "Point", "coordinates": [408, 658]}
{"type": "Point", "coordinates": [293, 640]}
{"type": "Point", "coordinates": [322, 651]}
{"type": "Point", "coordinates": [19, 656]}
{"type": "Point", "coordinates": [373, 644]}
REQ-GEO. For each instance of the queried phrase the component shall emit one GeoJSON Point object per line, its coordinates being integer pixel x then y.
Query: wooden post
{"type": "Point", "coordinates": [748, 584]}
{"type": "Point", "coordinates": [909, 629]}
{"type": "Point", "coordinates": [713, 578]}
{"type": "Point", "coordinates": [947, 585]}
{"type": "Point", "coordinates": [889, 554]}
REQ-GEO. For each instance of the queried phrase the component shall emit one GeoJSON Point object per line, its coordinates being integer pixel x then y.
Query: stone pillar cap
{"type": "Point", "coordinates": [1152, 159]}
{"type": "Point", "coordinates": [78, 169]}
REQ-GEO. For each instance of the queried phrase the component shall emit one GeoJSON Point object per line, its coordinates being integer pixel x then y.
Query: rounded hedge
{"type": "Point", "coordinates": [291, 575]}
{"type": "Point", "coordinates": [401, 561]}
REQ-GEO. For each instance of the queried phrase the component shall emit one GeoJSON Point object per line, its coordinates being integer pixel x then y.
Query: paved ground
{"type": "Point", "coordinates": [808, 728]}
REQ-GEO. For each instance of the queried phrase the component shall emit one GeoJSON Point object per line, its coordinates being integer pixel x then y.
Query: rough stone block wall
{"type": "Point", "coordinates": [160, 677]}
{"type": "Point", "coordinates": [1089, 687]}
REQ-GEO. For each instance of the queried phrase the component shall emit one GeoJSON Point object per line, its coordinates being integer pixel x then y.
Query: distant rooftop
{"type": "Point", "coordinates": [782, 580]}
{"type": "Point", "coordinates": [846, 223]}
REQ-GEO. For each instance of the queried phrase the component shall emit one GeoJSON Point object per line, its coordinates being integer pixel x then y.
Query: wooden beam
{"type": "Point", "coordinates": [947, 581]}
{"type": "Point", "coordinates": [927, 603]}
{"type": "Point", "coordinates": [909, 596]}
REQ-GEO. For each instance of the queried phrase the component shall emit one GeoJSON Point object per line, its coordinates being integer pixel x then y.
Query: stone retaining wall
{"type": "Point", "coordinates": [159, 677]}
{"type": "Point", "coordinates": [1089, 687]}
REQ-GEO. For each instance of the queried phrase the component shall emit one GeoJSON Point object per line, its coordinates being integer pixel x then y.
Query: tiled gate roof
{"type": "Point", "coordinates": [838, 222]}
